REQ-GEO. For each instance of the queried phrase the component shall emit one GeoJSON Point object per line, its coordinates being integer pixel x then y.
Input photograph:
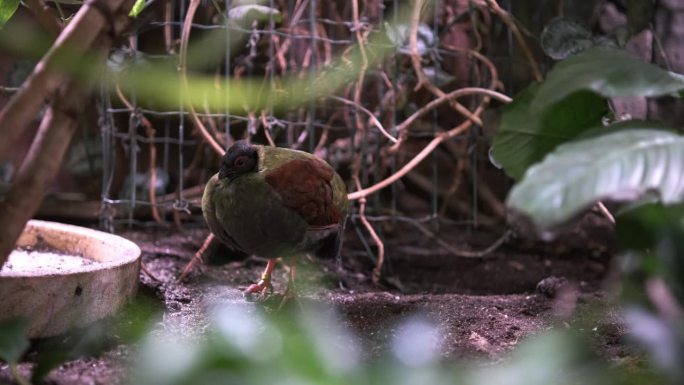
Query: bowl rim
{"type": "Point", "coordinates": [129, 251]}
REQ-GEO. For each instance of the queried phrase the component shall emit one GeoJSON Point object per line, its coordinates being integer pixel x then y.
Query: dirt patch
{"type": "Point", "coordinates": [482, 307]}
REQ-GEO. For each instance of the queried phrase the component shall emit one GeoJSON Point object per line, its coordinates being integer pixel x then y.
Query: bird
{"type": "Point", "coordinates": [276, 203]}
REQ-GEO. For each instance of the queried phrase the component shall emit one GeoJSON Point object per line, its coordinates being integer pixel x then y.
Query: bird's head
{"type": "Point", "coordinates": [241, 158]}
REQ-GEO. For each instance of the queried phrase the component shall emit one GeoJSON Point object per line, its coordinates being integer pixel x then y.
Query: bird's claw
{"type": "Point", "coordinates": [258, 291]}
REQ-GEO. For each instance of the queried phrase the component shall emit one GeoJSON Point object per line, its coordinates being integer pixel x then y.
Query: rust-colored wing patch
{"type": "Point", "coordinates": [305, 187]}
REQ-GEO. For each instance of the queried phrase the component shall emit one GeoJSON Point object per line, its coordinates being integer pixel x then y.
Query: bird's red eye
{"type": "Point", "coordinates": [240, 161]}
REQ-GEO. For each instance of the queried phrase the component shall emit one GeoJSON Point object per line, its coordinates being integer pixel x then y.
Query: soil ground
{"type": "Point", "coordinates": [483, 306]}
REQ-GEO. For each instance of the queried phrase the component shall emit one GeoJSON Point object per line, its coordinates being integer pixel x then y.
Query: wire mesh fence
{"type": "Point", "coordinates": [145, 148]}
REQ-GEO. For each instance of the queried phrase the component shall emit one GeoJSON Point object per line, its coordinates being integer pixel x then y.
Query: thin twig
{"type": "Point", "coordinates": [197, 258]}
{"type": "Point", "coordinates": [402, 128]}
{"type": "Point", "coordinates": [168, 32]}
{"type": "Point", "coordinates": [436, 141]}
{"type": "Point", "coordinates": [463, 253]}
{"type": "Point", "coordinates": [267, 129]}
{"type": "Point", "coordinates": [507, 19]}
{"type": "Point", "coordinates": [604, 210]}
{"type": "Point", "coordinates": [371, 116]}
{"type": "Point", "coordinates": [377, 271]}
{"type": "Point", "coordinates": [147, 271]}
{"type": "Point", "coordinates": [418, 66]}
{"type": "Point", "coordinates": [185, 37]}
{"type": "Point", "coordinates": [8, 90]}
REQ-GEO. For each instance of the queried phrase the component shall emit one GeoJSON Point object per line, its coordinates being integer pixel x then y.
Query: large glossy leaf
{"type": "Point", "coordinates": [623, 165]}
{"type": "Point", "coordinates": [525, 137]}
{"type": "Point", "coordinates": [608, 72]}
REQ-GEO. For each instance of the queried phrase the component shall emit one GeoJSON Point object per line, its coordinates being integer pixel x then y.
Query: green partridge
{"type": "Point", "coordinates": [275, 202]}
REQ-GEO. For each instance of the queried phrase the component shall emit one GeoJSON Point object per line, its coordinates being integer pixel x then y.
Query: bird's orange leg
{"type": "Point", "coordinates": [265, 281]}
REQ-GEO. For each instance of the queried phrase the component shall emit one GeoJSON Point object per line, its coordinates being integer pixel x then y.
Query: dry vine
{"type": "Point", "coordinates": [282, 46]}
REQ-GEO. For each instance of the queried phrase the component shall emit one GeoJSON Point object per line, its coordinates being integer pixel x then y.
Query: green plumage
{"type": "Point", "coordinates": [248, 214]}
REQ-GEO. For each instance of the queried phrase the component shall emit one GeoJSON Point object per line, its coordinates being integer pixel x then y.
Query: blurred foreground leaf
{"type": "Point", "coordinates": [244, 346]}
{"type": "Point", "coordinates": [658, 230]}
{"type": "Point", "coordinates": [159, 84]}
{"type": "Point", "coordinates": [7, 9]}
{"type": "Point", "coordinates": [630, 162]}
{"type": "Point", "coordinates": [137, 8]}
{"type": "Point", "coordinates": [130, 325]}
{"type": "Point", "coordinates": [13, 340]}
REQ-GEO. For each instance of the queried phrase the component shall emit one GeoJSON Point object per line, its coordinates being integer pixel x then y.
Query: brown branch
{"type": "Point", "coordinates": [40, 167]}
{"type": "Point", "coordinates": [44, 81]}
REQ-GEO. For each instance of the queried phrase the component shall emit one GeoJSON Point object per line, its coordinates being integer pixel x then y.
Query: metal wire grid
{"type": "Point", "coordinates": [175, 141]}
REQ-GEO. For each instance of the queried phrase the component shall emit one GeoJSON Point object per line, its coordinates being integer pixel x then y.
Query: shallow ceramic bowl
{"type": "Point", "coordinates": [96, 275]}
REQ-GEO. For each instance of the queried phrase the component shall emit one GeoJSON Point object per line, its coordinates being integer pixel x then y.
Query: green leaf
{"type": "Point", "coordinates": [622, 166]}
{"type": "Point", "coordinates": [7, 9]}
{"type": "Point", "coordinates": [13, 340]}
{"type": "Point", "coordinates": [639, 15]}
{"type": "Point", "coordinates": [608, 72]}
{"type": "Point", "coordinates": [137, 8]}
{"type": "Point", "coordinates": [659, 229]}
{"type": "Point", "coordinates": [562, 38]}
{"type": "Point", "coordinates": [525, 137]}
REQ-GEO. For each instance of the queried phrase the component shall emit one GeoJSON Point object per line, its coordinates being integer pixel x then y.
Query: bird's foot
{"type": "Point", "coordinates": [258, 291]}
